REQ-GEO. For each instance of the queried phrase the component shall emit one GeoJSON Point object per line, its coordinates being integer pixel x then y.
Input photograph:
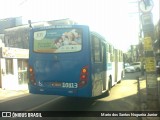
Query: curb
{"type": "Point", "coordinates": [6, 95]}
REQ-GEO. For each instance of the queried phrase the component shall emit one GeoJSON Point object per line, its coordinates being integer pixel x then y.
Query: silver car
{"type": "Point", "coordinates": [129, 68]}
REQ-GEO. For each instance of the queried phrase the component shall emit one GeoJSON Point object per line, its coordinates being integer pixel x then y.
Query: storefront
{"type": "Point", "coordinates": [13, 64]}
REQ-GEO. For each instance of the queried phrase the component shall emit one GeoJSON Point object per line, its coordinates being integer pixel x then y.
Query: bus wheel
{"type": "Point", "coordinates": [119, 82]}
{"type": "Point", "coordinates": [109, 86]}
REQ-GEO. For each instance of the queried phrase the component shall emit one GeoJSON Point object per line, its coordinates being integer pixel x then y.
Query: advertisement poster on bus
{"type": "Point", "coordinates": [58, 40]}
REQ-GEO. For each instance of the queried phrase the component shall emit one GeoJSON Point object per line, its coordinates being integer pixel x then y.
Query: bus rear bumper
{"type": "Point", "coordinates": [55, 91]}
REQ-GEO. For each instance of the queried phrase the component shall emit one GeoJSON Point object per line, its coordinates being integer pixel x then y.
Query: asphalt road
{"type": "Point", "coordinates": [123, 98]}
{"type": "Point", "coordinates": [132, 76]}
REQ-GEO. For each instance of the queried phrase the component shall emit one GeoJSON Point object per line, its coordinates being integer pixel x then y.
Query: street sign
{"type": "Point", "coordinates": [146, 5]}
{"type": "Point", "coordinates": [147, 18]}
{"type": "Point", "coordinates": [148, 44]}
{"type": "Point", "coordinates": [148, 28]}
{"type": "Point", "coordinates": [150, 65]}
{"type": "Point", "coordinates": [147, 22]}
{"type": "Point", "coordinates": [151, 81]}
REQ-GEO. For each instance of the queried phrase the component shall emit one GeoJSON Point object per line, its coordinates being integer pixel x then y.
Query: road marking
{"type": "Point", "coordinates": [34, 108]}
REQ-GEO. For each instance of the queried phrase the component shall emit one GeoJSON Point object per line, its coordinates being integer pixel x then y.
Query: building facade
{"type": "Point", "coordinates": [9, 22]}
{"type": "Point", "coordinates": [13, 67]}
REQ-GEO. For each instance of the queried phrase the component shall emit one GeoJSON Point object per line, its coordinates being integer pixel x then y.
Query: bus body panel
{"type": "Point", "coordinates": [99, 81]}
{"type": "Point", "coordinates": [119, 65]}
{"type": "Point", "coordinates": [87, 72]}
{"type": "Point", "coordinates": [59, 73]}
{"type": "Point", "coordinates": [116, 65]}
{"type": "Point", "coordinates": [120, 73]}
{"type": "Point", "coordinates": [47, 69]}
{"type": "Point", "coordinates": [65, 74]}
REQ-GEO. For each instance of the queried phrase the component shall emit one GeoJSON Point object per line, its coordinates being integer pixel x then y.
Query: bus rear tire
{"type": "Point", "coordinates": [109, 86]}
{"type": "Point", "coordinates": [119, 82]}
{"type": "Point", "coordinates": [106, 93]}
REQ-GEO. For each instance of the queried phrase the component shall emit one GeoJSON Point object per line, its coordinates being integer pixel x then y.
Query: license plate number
{"type": "Point", "coordinates": [56, 84]}
{"type": "Point", "coordinates": [69, 85]}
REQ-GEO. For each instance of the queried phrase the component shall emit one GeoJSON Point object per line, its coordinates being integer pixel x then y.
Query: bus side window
{"type": "Point", "coordinates": [111, 53]}
{"type": "Point", "coordinates": [97, 49]}
{"type": "Point", "coordinates": [108, 57]}
{"type": "Point", "coordinates": [107, 53]}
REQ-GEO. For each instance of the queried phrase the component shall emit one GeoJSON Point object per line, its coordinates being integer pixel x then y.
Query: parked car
{"type": "Point", "coordinates": [136, 65]}
{"type": "Point", "coordinates": [129, 68]}
{"type": "Point", "coordinates": [158, 68]}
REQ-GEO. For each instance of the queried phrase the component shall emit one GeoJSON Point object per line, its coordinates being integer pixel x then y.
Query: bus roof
{"type": "Point", "coordinates": [58, 26]}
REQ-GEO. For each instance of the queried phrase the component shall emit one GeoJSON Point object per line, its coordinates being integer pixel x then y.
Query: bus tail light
{"type": "Point", "coordinates": [83, 76]}
{"type": "Point", "coordinates": [32, 75]}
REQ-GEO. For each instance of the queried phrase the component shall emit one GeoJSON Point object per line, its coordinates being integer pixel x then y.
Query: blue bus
{"type": "Point", "coordinates": [71, 60]}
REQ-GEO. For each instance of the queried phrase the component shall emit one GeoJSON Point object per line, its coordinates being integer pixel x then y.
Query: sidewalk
{"type": "Point", "coordinates": [144, 103]}
{"type": "Point", "coordinates": [6, 94]}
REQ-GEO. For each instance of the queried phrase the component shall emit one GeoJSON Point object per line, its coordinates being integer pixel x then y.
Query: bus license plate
{"type": "Point", "coordinates": [69, 85]}
{"type": "Point", "coordinates": [56, 84]}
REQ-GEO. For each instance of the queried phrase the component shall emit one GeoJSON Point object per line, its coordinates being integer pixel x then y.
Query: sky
{"type": "Point", "coordinates": [116, 20]}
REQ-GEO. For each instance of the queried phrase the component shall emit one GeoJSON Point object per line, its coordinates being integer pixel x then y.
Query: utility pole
{"type": "Point", "coordinates": [146, 18]}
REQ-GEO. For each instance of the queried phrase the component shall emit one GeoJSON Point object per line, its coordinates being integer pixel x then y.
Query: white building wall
{"type": "Point", "coordinates": [10, 81]}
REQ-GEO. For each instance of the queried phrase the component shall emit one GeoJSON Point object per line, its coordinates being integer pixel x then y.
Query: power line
{"type": "Point", "coordinates": [22, 2]}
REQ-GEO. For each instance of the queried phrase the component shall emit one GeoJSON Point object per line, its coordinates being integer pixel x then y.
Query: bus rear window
{"type": "Point", "coordinates": [58, 40]}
